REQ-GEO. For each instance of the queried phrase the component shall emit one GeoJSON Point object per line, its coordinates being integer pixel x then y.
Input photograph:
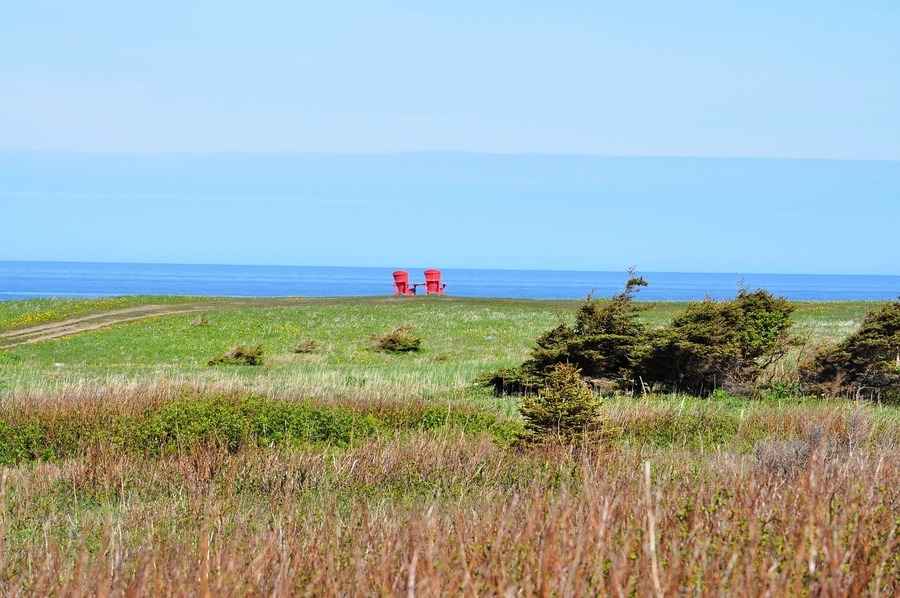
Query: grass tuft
{"type": "Point", "coordinates": [399, 340]}
{"type": "Point", "coordinates": [305, 347]}
{"type": "Point", "coordinates": [239, 355]}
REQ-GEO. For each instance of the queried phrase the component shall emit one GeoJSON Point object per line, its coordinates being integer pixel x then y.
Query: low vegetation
{"type": "Point", "coordinates": [604, 344]}
{"type": "Point", "coordinates": [306, 346]}
{"type": "Point", "coordinates": [239, 355]}
{"type": "Point", "coordinates": [399, 340]}
{"type": "Point", "coordinates": [230, 421]}
{"type": "Point", "coordinates": [808, 508]}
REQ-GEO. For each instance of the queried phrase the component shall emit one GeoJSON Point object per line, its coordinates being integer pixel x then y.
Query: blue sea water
{"type": "Point", "coordinates": [25, 280]}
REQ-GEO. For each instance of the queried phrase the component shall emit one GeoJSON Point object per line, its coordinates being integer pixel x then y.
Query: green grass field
{"type": "Point", "coordinates": [128, 464]}
{"type": "Point", "coordinates": [462, 337]}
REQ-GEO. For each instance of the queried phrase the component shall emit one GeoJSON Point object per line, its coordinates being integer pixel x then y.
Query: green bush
{"type": "Point", "coordinates": [866, 364]}
{"type": "Point", "coordinates": [399, 340]}
{"type": "Point", "coordinates": [604, 343]}
{"type": "Point", "coordinates": [720, 344]}
{"type": "Point", "coordinates": [239, 355]}
{"type": "Point", "coordinates": [714, 344]}
{"type": "Point", "coordinates": [564, 408]}
{"type": "Point", "coordinates": [728, 345]}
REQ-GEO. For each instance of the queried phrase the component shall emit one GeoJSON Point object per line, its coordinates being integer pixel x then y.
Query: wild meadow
{"type": "Point", "coordinates": [132, 467]}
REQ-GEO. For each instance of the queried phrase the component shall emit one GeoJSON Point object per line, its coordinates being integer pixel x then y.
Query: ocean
{"type": "Point", "coordinates": [27, 280]}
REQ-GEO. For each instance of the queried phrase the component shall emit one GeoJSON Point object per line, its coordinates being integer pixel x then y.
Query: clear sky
{"type": "Point", "coordinates": [292, 132]}
{"type": "Point", "coordinates": [773, 78]}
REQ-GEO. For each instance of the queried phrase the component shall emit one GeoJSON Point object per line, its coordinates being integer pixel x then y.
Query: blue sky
{"type": "Point", "coordinates": [803, 79]}
{"type": "Point", "coordinates": [148, 90]}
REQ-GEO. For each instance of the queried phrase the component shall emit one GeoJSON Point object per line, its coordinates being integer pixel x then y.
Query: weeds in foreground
{"type": "Point", "coordinates": [7, 357]}
{"type": "Point", "coordinates": [441, 515]}
{"type": "Point", "coordinates": [781, 498]}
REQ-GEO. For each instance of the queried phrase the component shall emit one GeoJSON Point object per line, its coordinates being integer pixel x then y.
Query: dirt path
{"type": "Point", "coordinates": [43, 332]}
{"type": "Point", "coordinates": [51, 330]}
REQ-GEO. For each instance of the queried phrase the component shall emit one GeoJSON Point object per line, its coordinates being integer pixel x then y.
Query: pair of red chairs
{"type": "Point", "coordinates": [432, 284]}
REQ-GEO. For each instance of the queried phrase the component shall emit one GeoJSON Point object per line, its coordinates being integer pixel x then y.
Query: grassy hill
{"type": "Point", "coordinates": [130, 464]}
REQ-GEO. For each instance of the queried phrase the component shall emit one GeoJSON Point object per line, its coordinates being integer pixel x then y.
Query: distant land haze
{"type": "Point", "coordinates": [26, 280]}
{"type": "Point", "coordinates": [454, 210]}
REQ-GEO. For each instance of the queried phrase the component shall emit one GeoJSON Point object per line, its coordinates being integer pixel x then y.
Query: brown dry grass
{"type": "Point", "coordinates": [448, 513]}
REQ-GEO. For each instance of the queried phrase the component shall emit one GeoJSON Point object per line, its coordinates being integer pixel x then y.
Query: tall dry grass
{"type": "Point", "coordinates": [452, 514]}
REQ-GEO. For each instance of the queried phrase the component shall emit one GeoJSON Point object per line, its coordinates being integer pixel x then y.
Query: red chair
{"type": "Point", "coordinates": [433, 284]}
{"type": "Point", "coordinates": [401, 284]}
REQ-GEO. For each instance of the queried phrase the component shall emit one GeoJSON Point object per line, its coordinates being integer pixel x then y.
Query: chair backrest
{"type": "Point", "coordinates": [433, 284]}
{"type": "Point", "coordinates": [401, 283]}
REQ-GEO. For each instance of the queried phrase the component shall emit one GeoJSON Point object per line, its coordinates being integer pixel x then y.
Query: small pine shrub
{"type": "Point", "coordinates": [720, 345]}
{"type": "Point", "coordinates": [239, 355]}
{"type": "Point", "coordinates": [866, 364]}
{"type": "Point", "coordinates": [564, 408]}
{"type": "Point", "coordinates": [306, 346]}
{"type": "Point", "coordinates": [399, 340]}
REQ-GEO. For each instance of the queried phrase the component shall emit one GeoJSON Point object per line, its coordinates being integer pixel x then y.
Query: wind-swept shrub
{"type": "Point", "coordinates": [866, 364]}
{"type": "Point", "coordinates": [714, 344]}
{"type": "Point", "coordinates": [400, 340]}
{"type": "Point", "coordinates": [564, 408]}
{"type": "Point", "coordinates": [239, 355]}
{"type": "Point", "coordinates": [720, 344]}
{"type": "Point", "coordinates": [605, 343]}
